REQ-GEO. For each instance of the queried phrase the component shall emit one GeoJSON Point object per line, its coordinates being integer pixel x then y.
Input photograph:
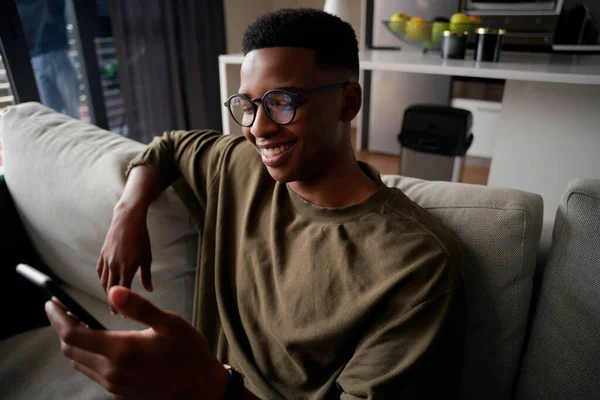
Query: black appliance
{"type": "Point", "coordinates": [541, 25]}
{"type": "Point", "coordinates": [520, 7]}
{"type": "Point", "coordinates": [578, 27]}
{"type": "Point", "coordinates": [529, 24]}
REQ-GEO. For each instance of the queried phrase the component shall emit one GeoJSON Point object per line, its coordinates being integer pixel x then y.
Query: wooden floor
{"type": "Point", "coordinates": [474, 171]}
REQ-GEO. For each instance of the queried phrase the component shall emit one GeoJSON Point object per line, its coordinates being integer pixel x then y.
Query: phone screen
{"type": "Point", "coordinates": [43, 281]}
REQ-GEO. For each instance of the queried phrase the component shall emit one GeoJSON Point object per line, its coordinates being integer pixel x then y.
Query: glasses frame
{"type": "Point", "coordinates": [297, 98]}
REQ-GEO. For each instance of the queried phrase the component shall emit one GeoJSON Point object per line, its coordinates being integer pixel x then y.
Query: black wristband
{"type": "Point", "coordinates": [235, 385]}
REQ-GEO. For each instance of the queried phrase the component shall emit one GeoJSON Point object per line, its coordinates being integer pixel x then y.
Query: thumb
{"type": "Point", "coordinates": [134, 306]}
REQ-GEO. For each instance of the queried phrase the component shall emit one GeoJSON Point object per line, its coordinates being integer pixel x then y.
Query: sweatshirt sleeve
{"type": "Point", "coordinates": [417, 354]}
{"type": "Point", "coordinates": [196, 156]}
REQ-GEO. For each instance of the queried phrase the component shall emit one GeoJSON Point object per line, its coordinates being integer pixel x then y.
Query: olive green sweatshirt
{"type": "Point", "coordinates": [362, 302]}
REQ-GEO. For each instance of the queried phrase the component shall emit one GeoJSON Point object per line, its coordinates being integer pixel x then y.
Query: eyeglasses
{"type": "Point", "coordinates": [279, 105]}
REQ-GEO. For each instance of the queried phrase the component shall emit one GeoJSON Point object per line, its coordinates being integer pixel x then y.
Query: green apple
{"type": "Point", "coordinates": [460, 23]}
{"type": "Point", "coordinates": [397, 22]}
{"type": "Point", "coordinates": [437, 32]}
{"type": "Point", "coordinates": [460, 18]}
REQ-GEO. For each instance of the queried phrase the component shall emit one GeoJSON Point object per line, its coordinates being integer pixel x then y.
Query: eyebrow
{"type": "Point", "coordinates": [292, 89]}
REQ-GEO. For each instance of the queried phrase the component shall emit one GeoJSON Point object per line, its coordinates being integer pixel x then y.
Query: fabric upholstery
{"type": "Point", "coordinates": [561, 360]}
{"type": "Point", "coordinates": [65, 176]}
{"type": "Point", "coordinates": [498, 230]}
{"type": "Point", "coordinates": [33, 367]}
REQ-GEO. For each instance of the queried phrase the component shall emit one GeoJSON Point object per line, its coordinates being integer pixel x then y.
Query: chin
{"type": "Point", "coordinates": [281, 175]}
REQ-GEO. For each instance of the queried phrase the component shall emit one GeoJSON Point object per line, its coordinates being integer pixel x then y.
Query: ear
{"type": "Point", "coordinates": [352, 101]}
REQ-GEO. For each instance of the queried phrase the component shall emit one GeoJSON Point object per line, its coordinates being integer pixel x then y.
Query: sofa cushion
{"type": "Point", "coordinates": [65, 176]}
{"type": "Point", "coordinates": [498, 230]}
{"type": "Point", "coordinates": [561, 360]}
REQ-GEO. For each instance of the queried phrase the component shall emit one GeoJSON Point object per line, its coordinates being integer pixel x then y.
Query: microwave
{"type": "Point", "coordinates": [512, 7]}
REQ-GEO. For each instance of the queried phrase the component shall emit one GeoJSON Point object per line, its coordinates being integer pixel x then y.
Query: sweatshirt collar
{"type": "Point", "coordinates": [343, 214]}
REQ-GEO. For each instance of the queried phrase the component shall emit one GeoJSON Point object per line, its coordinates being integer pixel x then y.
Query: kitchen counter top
{"type": "Point", "coordinates": [532, 67]}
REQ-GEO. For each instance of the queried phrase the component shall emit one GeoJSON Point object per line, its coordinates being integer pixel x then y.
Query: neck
{"type": "Point", "coordinates": [343, 185]}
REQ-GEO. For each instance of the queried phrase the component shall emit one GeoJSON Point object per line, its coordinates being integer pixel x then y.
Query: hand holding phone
{"type": "Point", "coordinates": [43, 281]}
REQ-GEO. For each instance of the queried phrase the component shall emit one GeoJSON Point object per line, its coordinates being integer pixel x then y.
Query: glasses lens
{"type": "Point", "coordinates": [242, 110]}
{"type": "Point", "coordinates": [279, 106]}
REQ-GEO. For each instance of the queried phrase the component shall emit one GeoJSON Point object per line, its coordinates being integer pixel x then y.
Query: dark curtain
{"type": "Point", "coordinates": [168, 63]}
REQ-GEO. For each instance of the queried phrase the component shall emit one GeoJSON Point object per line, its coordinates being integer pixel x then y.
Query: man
{"type": "Point", "coordinates": [45, 30]}
{"type": "Point", "coordinates": [315, 280]}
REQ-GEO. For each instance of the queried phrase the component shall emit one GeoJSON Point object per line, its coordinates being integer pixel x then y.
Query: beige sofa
{"type": "Point", "coordinates": [64, 177]}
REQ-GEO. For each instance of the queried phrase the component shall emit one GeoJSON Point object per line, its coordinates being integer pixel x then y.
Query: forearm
{"type": "Point", "coordinates": [142, 188]}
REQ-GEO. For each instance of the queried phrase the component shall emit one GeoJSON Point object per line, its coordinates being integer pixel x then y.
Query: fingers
{"type": "Point", "coordinates": [146, 276]}
{"type": "Point", "coordinates": [113, 280]}
{"type": "Point", "coordinates": [74, 334]}
{"type": "Point", "coordinates": [104, 278]}
{"type": "Point", "coordinates": [115, 389]}
{"type": "Point", "coordinates": [93, 361]}
{"type": "Point", "coordinates": [136, 307]}
{"type": "Point", "coordinates": [100, 267]}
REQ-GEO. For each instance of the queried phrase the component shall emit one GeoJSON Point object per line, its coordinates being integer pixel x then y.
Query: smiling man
{"type": "Point", "coordinates": [315, 280]}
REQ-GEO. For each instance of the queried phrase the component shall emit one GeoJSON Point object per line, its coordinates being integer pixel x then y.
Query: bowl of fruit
{"type": "Point", "coordinates": [428, 35]}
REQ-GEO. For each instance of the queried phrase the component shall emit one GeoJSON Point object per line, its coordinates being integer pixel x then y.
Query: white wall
{"type": "Point", "coordinates": [240, 13]}
{"type": "Point", "coordinates": [547, 135]}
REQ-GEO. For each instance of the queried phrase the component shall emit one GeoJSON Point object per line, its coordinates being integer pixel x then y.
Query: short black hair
{"type": "Point", "coordinates": [333, 40]}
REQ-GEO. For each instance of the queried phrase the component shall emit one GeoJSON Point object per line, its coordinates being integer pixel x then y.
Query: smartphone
{"type": "Point", "coordinates": [43, 281]}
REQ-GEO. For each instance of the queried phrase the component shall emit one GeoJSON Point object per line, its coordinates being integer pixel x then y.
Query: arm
{"type": "Point", "coordinates": [193, 155]}
{"type": "Point", "coordinates": [142, 188]}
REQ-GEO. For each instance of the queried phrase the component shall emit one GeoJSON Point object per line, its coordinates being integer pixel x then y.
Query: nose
{"type": "Point", "coordinates": [263, 125]}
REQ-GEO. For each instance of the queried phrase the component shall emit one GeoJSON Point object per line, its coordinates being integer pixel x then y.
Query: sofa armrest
{"type": "Point", "coordinates": [21, 303]}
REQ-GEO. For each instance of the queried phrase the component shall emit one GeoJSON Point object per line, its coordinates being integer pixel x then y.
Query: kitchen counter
{"type": "Point", "coordinates": [532, 67]}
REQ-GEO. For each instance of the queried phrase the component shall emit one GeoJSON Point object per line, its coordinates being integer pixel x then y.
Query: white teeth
{"type": "Point", "coordinates": [272, 151]}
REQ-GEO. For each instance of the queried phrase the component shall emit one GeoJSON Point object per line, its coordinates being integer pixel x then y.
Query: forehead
{"type": "Point", "coordinates": [268, 68]}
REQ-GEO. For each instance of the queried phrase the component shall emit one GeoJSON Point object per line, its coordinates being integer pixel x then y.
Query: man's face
{"type": "Point", "coordinates": [308, 145]}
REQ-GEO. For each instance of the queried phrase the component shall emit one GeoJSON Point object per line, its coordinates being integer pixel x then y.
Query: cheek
{"type": "Point", "coordinates": [317, 118]}
{"type": "Point", "coordinates": [250, 137]}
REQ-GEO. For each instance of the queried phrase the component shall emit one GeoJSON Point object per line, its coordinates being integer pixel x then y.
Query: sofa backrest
{"type": "Point", "coordinates": [65, 176]}
{"type": "Point", "coordinates": [562, 359]}
{"type": "Point", "coordinates": [498, 230]}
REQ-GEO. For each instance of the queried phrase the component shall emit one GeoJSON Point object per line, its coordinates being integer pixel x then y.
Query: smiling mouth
{"type": "Point", "coordinates": [275, 155]}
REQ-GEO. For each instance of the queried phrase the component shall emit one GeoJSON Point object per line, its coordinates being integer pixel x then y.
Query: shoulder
{"type": "Point", "coordinates": [416, 225]}
{"type": "Point", "coordinates": [237, 161]}
{"type": "Point", "coordinates": [240, 154]}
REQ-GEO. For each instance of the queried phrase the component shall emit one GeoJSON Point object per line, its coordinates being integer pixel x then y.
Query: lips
{"type": "Point", "coordinates": [275, 154]}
